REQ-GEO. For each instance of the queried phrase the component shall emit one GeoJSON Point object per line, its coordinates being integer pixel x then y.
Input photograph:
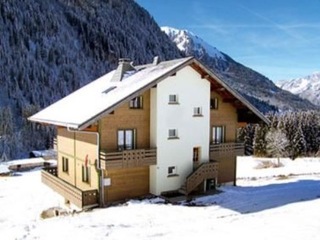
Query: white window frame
{"type": "Point", "coordinates": [173, 99]}
{"type": "Point", "coordinates": [172, 133]}
{"type": "Point", "coordinates": [197, 111]}
{"type": "Point", "coordinates": [172, 171]}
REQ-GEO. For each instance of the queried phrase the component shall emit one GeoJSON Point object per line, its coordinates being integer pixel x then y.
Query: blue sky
{"type": "Point", "coordinates": [278, 38]}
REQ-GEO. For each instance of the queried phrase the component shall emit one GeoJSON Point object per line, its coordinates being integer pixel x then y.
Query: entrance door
{"type": "Point", "coordinates": [196, 156]}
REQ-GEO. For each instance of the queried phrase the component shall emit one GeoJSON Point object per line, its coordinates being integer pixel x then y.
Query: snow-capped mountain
{"type": "Point", "coordinates": [306, 87]}
{"type": "Point", "coordinates": [190, 43]}
{"type": "Point", "coordinates": [258, 89]}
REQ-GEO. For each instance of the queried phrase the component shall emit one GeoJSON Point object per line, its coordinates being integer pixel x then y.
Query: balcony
{"type": "Point", "coordinates": [82, 199]}
{"type": "Point", "coordinates": [234, 149]}
{"type": "Point", "coordinates": [128, 158]}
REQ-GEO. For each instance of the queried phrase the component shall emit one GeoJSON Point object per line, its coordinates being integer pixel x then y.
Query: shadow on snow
{"type": "Point", "coordinates": [259, 198]}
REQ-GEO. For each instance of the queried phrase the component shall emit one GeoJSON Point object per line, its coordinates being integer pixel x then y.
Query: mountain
{"type": "Point", "coordinates": [306, 87]}
{"type": "Point", "coordinates": [49, 48]}
{"type": "Point", "coordinates": [258, 89]}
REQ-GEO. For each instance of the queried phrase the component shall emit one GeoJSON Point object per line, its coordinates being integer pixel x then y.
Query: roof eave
{"type": "Point", "coordinates": [233, 92]}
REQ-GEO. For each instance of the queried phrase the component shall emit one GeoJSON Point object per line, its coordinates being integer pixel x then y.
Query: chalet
{"type": "Point", "coordinates": [155, 128]}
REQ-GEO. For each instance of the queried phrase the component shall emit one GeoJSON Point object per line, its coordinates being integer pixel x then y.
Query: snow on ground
{"type": "Point", "coordinates": [275, 203]}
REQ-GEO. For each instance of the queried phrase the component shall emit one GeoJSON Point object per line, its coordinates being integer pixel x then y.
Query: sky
{"type": "Point", "coordinates": [278, 38]}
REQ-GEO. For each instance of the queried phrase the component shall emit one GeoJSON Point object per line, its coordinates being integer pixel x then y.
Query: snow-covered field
{"type": "Point", "coordinates": [271, 203]}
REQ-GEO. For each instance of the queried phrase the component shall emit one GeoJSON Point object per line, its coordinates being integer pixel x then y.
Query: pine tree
{"type": "Point", "coordinates": [259, 141]}
{"type": "Point", "coordinates": [298, 144]}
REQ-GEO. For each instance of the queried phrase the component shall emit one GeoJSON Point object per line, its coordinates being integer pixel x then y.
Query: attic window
{"type": "Point", "coordinates": [214, 103]}
{"type": "Point", "coordinates": [109, 89]}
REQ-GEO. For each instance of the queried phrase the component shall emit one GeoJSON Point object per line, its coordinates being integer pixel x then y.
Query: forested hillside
{"type": "Point", "coordinates": [49, 48]}
{"type": "Point", "coordinates": [290, 134]}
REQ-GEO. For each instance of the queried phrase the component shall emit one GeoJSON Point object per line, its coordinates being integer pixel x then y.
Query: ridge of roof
{"type": "Point", "coordinates": [83, 106]}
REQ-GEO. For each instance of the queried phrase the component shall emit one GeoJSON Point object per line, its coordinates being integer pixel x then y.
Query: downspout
{"type": "Point", "coordinates": [98, 165]}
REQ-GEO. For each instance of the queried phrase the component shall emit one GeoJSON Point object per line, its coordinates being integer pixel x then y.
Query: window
{"type": "Point", "coordinates": [197, 111]}
{"type": "Point", "coordinates": [173, 99]}
{"type": "Point", "coordinates": [173, 133]}
{"type": "Point", "coordinates": [218, 134]}
{"type": "Point", "coordinates": [214, 103]}
{"type": "Point", "coordinates": [172, 171]}
{"type": "Point", "coordinates": [136, 103]}
{"type": "Point", "coordinates": [126, 139]}
{"type": "Point", "coordinates": [85, 174]}
{"type": "Point", "coordinates": [196, 154]}
{"type": "Point", "coordinates": [65, 164]}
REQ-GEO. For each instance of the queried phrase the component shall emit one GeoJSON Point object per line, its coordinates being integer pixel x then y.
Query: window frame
{"type": "Point", "coordinates": [173, 99]}
{"type": "Point", "coordinates": [124, 137]}
{"type": "Point", "coordinates": [65, 164]}
{"type": "Point", "coordinates": [214, 103]}
{"type": "Point", "coordinates": [136, 103]}
{"type": "Point", "coordinates": [85, 174]}
{"type": "Point", "coordinates": [172, 171]}
{"type": "Point", "coordinates": [218, 137]}
{"type": "Point", "coordinates": [197, 111]}
{"type": "Point", "coordinates": [173, 136]}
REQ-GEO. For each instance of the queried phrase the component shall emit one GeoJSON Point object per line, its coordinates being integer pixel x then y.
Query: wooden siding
{"type": "Point", "coordinates": [128, 158]}
{"type": "Point", "coordinates": [225, 115]}
{"type": "Point", "coordinates": [127, 183]}
{"type": "Point", "coordinates": [226, 154]}
{"type": "Point", "coordinates": [126, 118]}
{"type": "Point", "coordinates": [77, 147]}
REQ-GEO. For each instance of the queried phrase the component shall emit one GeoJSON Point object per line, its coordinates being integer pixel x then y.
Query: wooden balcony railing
{"type": "Point", "coordinates": [231, 148]}
{"type": "Point", "coordinates": [128, 158]}
{"type": "Point", "coordinates": [81, 199]}
{"type": "Point", "coordinates": [205, 171]}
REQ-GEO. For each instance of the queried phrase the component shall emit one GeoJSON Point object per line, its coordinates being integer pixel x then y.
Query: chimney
{"type": "Point", "coordinates": [156, 61]}
{"type": "Point", "coordinates": [124, 65]}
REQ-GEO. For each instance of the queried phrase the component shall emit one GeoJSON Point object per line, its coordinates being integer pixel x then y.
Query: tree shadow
{"type": "Point", "coordinates": [259, 198]}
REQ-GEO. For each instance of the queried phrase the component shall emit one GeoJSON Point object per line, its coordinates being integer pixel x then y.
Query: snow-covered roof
{"type": "Point", "coordinates": [82, 107]}
{"type": "Point", "coordinates": [100, 97]}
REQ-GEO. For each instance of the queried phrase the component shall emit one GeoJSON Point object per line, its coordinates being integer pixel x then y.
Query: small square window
{"type": "Point", "coordinates": [173, 99]}
{"type": "Point", "coordinates": [197, 111]}
{"type": "Point", "coordinates": [173, 133]}
{"type": "Point", "coordinates": [85, 174]}
{"type": "Point", "coordinates": [65, 164]}
{"type": "Point", "coordinates": [172, 171]}
{"type": "Point", "coordinates": [214, 103]}
{"type": "Point", "coordinates": [136, 103]}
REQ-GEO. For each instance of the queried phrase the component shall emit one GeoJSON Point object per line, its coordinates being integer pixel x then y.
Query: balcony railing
{"type": "Point", "coordinates": [225, 148]}
{"type": "Point", "coordinates": [128, 158]}
{"type": "Point", "coordinates": [82, 199]}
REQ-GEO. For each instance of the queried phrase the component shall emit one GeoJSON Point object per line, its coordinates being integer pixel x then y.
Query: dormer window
{"type": "Point", "coordinates": [136, 103]}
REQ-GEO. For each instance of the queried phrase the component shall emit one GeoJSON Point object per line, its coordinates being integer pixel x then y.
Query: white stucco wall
{"type": "Point", "coordinates": [192, 91]}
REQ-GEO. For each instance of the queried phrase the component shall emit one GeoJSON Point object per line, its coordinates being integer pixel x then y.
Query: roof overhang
{"type": "Point", "coordinates": [228, 94]}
